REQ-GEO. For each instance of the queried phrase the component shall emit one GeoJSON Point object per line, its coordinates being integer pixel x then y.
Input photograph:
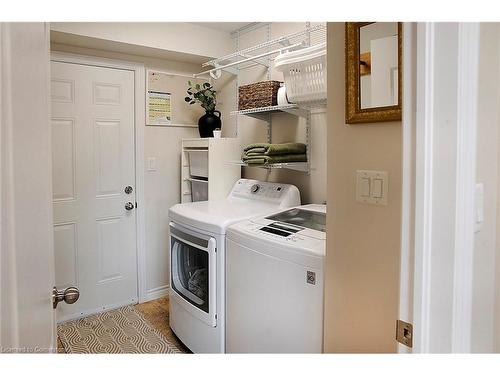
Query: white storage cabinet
{"type": "Point", "coordinates": [206, 172]}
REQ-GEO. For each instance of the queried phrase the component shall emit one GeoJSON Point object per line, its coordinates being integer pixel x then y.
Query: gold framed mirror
{"type": "Point", "coordinates": [373, 58]}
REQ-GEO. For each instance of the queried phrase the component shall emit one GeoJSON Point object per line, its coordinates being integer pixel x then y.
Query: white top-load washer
{"type": "Point", "coordinates": [274, 282]}
{"type": "Point", "coordinates": [197, 258]}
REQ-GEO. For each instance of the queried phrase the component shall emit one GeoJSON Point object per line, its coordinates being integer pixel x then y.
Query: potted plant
{"type": "Point", "coordinates": [205, 95]}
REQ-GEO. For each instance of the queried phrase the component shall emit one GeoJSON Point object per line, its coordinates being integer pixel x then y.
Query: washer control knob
{"type": "Point", "coordinates": [255, 188]}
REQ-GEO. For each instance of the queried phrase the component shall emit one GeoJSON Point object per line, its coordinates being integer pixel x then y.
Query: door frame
{"type": "Point", "coordinates": [407, 176]}
{"type": "Point", "coordinates": [26, 231]}
{"type": "Point", "coordinates": [139, 124]}
{"type": "Point", "coordinates": [419, 182]}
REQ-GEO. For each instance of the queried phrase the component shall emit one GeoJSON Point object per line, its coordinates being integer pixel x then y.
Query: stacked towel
{"type": "Point", "coordinates": [270, 153]}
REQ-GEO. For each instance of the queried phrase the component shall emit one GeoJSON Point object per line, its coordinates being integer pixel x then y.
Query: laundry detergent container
{"type": "Point", "coordinates": [304, 72]}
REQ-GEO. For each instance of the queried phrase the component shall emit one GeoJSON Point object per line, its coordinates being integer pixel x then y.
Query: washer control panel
{"type": "Point", "coordinates": [271, 232]}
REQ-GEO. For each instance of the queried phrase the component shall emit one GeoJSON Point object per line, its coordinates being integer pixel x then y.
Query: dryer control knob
{"type": "Point", "coordinates": [255, 188]}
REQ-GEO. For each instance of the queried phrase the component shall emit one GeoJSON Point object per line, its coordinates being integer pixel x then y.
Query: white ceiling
{"type": "Point", "coordinates": [224, 26]}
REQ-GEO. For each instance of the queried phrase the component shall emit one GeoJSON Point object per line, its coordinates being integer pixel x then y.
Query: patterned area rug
{"type": "Point", "coordinates": [123, 330]}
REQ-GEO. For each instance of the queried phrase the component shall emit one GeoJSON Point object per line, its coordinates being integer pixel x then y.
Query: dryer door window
{"type": "Point", "coordinates": [191, 273]}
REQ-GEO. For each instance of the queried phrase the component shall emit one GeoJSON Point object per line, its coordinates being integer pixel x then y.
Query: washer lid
{"type": "Point", "coordinates": [305, 217]}
{"type": "Point", "coordinates": [307, 238]}
{"type": "Point", "coordinates": [216, 216]}
{"type": "Point", "coordinates": [296, 247]}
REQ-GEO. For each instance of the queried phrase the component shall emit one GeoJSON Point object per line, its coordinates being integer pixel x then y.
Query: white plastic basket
{"type": "Point", "coordinates": [199, 190]}
{"type": "Point", "coordinates": [304, 72]}
{"type": "Point", "coordinates": [198, 163]}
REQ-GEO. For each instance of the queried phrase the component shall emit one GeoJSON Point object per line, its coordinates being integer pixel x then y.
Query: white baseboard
{"type": "Point", "coordinates": [83, 314]}
{"type": "Point", "coordinates": [156, 293]}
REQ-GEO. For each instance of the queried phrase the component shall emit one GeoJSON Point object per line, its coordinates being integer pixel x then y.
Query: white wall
{"type": "Point", "coordinates": [285, 128]}
{"type": "Point", "coordinates": [363, 242]}
{"type": "Point", "coordinates": [162, 187]}
{"type": "Point", "coordinates": [483, 312]}
{"type": "Point", "coordinates": [180, 37]}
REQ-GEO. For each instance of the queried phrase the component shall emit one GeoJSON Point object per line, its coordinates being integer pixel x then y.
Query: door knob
{"type": "Point", "coordinates": [69, 295]}
{"type": "Point", "coordinates": [129, 189]}
{"type": "Point", "coordinates": [129, 206]}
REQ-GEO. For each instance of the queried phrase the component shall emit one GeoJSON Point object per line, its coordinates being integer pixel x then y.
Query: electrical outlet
{"type": "Point", "coordinates": [404, 333]}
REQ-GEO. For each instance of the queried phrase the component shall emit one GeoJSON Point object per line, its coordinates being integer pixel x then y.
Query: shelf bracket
{"type": "Point", "coordinates": [308, 141]}
{"type": "Point", "coordinates": [269, 128]}
{"type": "Point", "coordinates": [297, 111]}
{"type": "Point", "coordinates": [257, 61]}
{"type": "Point", "coordinates": [232, 71]}
{"type": "Point", "coordinates": [259, 116]}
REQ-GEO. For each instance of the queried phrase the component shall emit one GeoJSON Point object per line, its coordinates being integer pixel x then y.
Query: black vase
{"type": "Point", "coordinates": [208, 123]}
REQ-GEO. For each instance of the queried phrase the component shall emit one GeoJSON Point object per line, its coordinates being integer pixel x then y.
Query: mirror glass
{"type": "Point", "coordinates": [378, 69]}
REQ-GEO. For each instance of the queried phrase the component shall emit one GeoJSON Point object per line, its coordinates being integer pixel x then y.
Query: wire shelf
{"type": "Point", "coordinates": [297, 166]}
{"type": "Point", "coordinates": [263, 52]}
{"type": "Point", "coordinates": [293, 109]}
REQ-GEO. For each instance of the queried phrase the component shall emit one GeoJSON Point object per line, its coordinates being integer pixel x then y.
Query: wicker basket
{"type": "Point", "coordinates": [260, 94]}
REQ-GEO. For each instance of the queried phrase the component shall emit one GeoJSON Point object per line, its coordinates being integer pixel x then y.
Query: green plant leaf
{"type": "Point", "coordinates": [197, 87]}
{"type": "Point", "coordinates": [206, 85]}
{"type": "Point", "coordinates": [187, 99]}
{"type": "Point", "coordinates": [189, 83]}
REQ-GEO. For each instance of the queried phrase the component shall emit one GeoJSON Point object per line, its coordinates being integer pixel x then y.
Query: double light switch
{"type": "Point", "coordinates": [371, 187]}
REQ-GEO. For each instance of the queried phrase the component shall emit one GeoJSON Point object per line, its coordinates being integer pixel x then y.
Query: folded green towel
{"type": "Point", "coordinates": [276, 148]}
{"type": "Point", "coordinates": [252, 153]}
{"type": "Point", "coordinates": [256, 150]}
{"type": "Point", "coordinates": [256, 145]}
{"type": "Point", "coordinates": [265, 159]}
{"type": "Point", "coordinates": [260, 161]}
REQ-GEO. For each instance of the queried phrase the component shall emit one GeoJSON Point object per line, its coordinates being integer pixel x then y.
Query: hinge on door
{"type": "Point", "coordinates": [404, 333]}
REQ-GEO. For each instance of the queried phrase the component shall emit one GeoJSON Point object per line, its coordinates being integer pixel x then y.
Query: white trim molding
{"type": "Point", "coordinates": [155, 293]}
{"type": "Point", "coordinates": [9, 335]}
{"type": "Point", "coordinates": [423, 186]}
{"type": "Point", "coordinates": [447, 94]}
{"type": "Point", "coordinates": [140, 104]}
{"type": "Point", "coordinates": [467, 94]}
{"type": "Point", "coordinates": [408, 177]}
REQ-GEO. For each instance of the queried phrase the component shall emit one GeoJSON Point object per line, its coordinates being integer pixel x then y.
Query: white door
{"type": "Point", "coordinates": [93, 164]}
{"type": "Point", "coordinates": [26, 242]}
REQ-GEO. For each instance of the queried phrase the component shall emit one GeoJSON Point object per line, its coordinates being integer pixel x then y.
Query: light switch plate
{"type": "Point", "coordinates": [372, 187]}
{"type": "Point", "coordinates": [151, 164]}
